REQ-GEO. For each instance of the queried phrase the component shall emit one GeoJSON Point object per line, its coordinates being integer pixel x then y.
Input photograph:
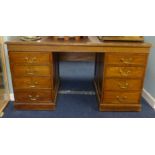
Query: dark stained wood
{"type": "Point", "coordinates": [113, 97]}
{"type": "Point", "coordinates": [33, 96]}
{"type": "Point", "coordinates": [122, 84]}
{"type": "Point", "coordinates": [90, 41]}
{"type": "Point", "coordinates": [29, 106]}
{"type": "Point", "coordinates": [19, 71]}
{"type": "Point", "coordinates": [35, 80]}
{"type": "Point", "coordinates": [119, 71]}
{"type": "Point", "coordinates": [30, 58]}
{"type": "Point", "coordinates": [32, 83]}
{"type": "Point", "coordinates": [77, 56]}
{"type": "Point", "coordinates": [120, 107]}
{"type": "Point", "coordinates": [124, 72]}
{"type": "Point", "coordinates": [126, 59]}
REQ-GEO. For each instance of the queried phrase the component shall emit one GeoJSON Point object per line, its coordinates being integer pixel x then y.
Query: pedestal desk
{"type": "Point", "coordinates": [119, 72]}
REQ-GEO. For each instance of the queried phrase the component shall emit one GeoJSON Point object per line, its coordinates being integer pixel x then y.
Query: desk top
{"type": "Point", "coordinates": [90, 41]}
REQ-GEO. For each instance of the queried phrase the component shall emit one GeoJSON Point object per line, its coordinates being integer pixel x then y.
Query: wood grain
{"type": "Point", "coordinates": [124, 72]}
{"type": "Point", "coordinates": [119, 70]}
{"type": "Point", "coordinates": [30, 58]}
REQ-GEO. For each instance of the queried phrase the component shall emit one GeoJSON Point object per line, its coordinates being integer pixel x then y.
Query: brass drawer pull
{"type": "Point", "coordinates": [123, 85]}
{"type": "Point", "coordinates": [126, 60]}
{"type": "Point", "coordinates": [121, 99]}
{"type": "Point", "coordinates": [30, 60]}
{"type": "Point", "coordinates": [31, 71]}
{"type": "Point", "coordinates": [33, 98]}
{"type": "Point", "coordinates": [33, 84]}
{"type": "Point", "coordinates": [124, 72]}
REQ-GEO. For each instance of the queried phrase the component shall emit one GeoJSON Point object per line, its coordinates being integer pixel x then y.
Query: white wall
{"type": "Point", "coordinates": [149, 84]}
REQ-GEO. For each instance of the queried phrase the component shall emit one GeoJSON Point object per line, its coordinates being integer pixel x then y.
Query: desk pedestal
{"type": "Point", "coordinates": [119, 80]}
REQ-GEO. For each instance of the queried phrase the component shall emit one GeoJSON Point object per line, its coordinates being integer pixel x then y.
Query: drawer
{"type": "Point", "coordinates": [121, 97]}
{"type": "Point", "coordinates": [31, 70]}
{"type": "Point", "coordinates": [125, 72]}
{"type": "Point", "coordinates": [32, 83]}
{"type": "Point", "coordinates": [33, 96]}
{"type": "Point", "coordinates": [126, 59]}
{"type": "Point", "coordinates": [122, 84]}
{"type": "Point", "coordinates": [30, 58]}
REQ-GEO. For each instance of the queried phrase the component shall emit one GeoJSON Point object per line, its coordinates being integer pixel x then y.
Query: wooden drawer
{"type": "Point", "coordinates": [30, 58]}
{"type": "Point", "coordinates": [32, 83]}
{"type": "Point", "coordinates": [33, 96]}
{"type": "Point", "coordinates": [126, 59]}
{"type": "Point", "coordinates": [31, 70]}
{"type": "Point", "coordinates": [125, 72]}
{"type": "Point", "coordinates": [122, 84]}
{"type": "Point", "coordinates": [121, 97]}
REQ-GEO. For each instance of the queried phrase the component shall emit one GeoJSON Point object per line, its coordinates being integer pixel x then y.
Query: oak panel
{"type": "Point", "coordinates": [123, 84]}
{"type": "Point", "coordinates": [32, 83]}
{"type": "Point", "coordinates": [121, 97]}
{"type": "Point", "coordinates": [125, 72]}
{"type": "Point", "coordinates": [31, 70]}
{"type": "Point", "coordinates": [33, 96]}
{"type": "Point", "coordinates": [30, 58]}
{"type": "Point", "coordinates": [126, 59]}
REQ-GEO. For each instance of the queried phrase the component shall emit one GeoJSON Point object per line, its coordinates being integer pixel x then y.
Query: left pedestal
{"type": "Point", "coordinates": [35, 79]}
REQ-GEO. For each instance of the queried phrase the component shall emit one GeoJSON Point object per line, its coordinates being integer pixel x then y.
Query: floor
{"type": "Point", "coordinates": [71, 103]}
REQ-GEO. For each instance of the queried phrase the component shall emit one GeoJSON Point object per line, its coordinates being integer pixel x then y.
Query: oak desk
{"type": "Point", "coordinates": [119, 72]}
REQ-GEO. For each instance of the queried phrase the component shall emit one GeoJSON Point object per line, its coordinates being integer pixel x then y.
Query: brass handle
{"type": "Point", "coordinates": [30, 71]}
{"type": "Point", "coordinates": [126, 60]}
{"type": "Point", "coordinates": [33, 84]}
{"type": "Point", "coordinates": [33, 98]}
{"type": "Point", "coordinates": [30, 60]}
{"type": "Point", "coordinates": [124, 72]}
{"type": "Point", "coordinates": [121, 99]}
{"type": "Point", "coordinates": [123, 85]}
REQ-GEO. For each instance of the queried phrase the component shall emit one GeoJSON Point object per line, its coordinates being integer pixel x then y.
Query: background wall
{"type": "Point", "coordinates": [8, 68]}
{"type": "Point", "coordinates": [149, 84]}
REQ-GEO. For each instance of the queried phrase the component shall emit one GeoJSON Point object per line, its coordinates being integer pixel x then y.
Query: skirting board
{"type": "Point", "coordinates": [149, 98]}
{"type": "Point", "coordinates": [12, 97]}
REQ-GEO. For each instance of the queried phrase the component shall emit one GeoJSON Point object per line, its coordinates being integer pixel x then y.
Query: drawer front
{"type": "Point", "coordinates": [126, 59]}
{"type": "Point", "coordinates": [125, 72]}
{"type": "Point", "coordinates": [123, 84]}
{"type": "Point", "coordinates": [30, 58]}
{"type": "Point", "coordinates": [32, 83]}
{"type": "Point", "coordinates": [31, 70]}
{"type": "Point", "coordinates": [30, 96]}
{"type": "Point", "coordinates": [121, 97]}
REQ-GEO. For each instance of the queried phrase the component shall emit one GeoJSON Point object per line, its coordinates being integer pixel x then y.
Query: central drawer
{"type": "Point", "coordinates": [32, 83]}
{"type": "Point", "coordinates": [31, 70]}
{"type": "Point", "coordinates": [33, 96]}
{"type": "Point", "coordinates": [125, 72]}
{"type": "Point", "coordinates": [123, 84]}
